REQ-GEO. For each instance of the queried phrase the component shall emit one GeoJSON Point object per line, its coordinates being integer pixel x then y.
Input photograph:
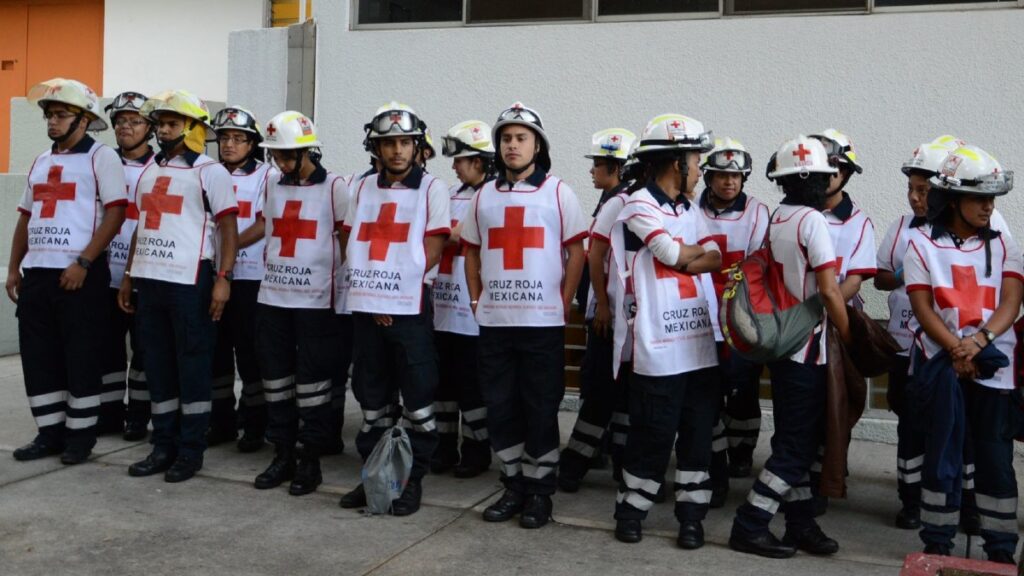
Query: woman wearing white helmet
{"type": "Point", "coordinates": [802, 252]}
{"type": "Point", "coordinates": [456, 332]}
{"type": "Point", "coordinates": [604, 410]}
{"type": "Point", "coordinates": [238, 138]}
{"type": "Point", "coordinates": [964, 281]}
{"type": "Point", "coordinates": [181, 262]}
{"type": "Point", "coordinates": [660, 253]}
{"type": "Point", "coordinates": [297, 334]}
{"type": "Point", "coordinates": [393, 235]}
{"type": "Point", "coordinates": [133, 133]}
{"type": "Point", "coordinates": [738, 222]}
{"type": "Point", "coordinates": [523, 262]}
{"type": "Point", "coordinates": [73, 205]}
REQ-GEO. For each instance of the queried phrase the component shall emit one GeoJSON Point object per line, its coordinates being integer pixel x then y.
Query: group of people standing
{"type": "Point", "coordinates": [449, 306]}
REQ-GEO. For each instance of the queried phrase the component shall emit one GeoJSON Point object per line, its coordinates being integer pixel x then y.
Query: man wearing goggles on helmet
{"type": "Point", "coordinates": [964, 281]}
{"type": "Point", "coordinates": [524, 259]}
{"type": "Point", "coordinates": [238, 138]}
{"type": "Point", "coordinates": [72, 207]}
{"type": "Point", "coordinates": [738, 223]}
{"type": "Point", "coordinates": [456, 332]}
{"type": "Point", "coordinates": [184, 199]}
{"type": "Point", "coordinates": [133, 132]}
{"type": "Point", "coordinates": [604, 413]}
{"type": "Point", "coordinates": [393, 235]}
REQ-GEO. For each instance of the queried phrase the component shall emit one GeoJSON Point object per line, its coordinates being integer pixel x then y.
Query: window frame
{"type": "Point", "coordinates": [593, 18]}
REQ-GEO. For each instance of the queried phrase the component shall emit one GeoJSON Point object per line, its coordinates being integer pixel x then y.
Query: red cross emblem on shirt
{"type": "Point", "coordinates": [382, 233]}
{"type": "Point", "coordinates": [801, 152]}
{"type": "Point", "coordinates": [158, 202]}
{"type": "Point", "coordinates": [728, 260]}
{"type": "Point", "coordinates": [684, 282]}
{"type": "Point", "coordinates": [449, 253]}
{"type": "Point", "coordinates": [513, 238]}
{"type": "Point", "coordinates": [966, 296]}
{"type": "Point", "coordinates": [244, 209]}
{"type": "Point", "coordinates": [290, 228]}
{"type": "Point", "coordinates": [52, 191]}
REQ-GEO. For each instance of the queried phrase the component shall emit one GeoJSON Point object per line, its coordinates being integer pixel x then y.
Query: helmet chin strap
{"type": "Point", "coordinates": [168, 146]}
{"type": "Point", "coordinates": [296, 173]}
{"type": "Point", "coordinates": [517, 171]}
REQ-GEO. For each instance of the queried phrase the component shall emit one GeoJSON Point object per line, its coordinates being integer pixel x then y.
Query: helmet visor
{"type": "Point", "coordinates": [385, 123]}
{"type": "Point", "coordinates": [729, 160]}
{"type": "Point", "coordinates": [233, 118]}
{"type": "Point", "coordinates": [996, 184]}
{"type": "Point", "coordinates": [127, 101]}
{"type": "Point", "coordinates": [520, 114]}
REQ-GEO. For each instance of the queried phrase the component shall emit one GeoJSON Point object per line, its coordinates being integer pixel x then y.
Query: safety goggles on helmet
{"type": "Point", "coordinates": [385, 124]}
{"type": "Point", "coordinates": [233, 118]}
{"type": "Point", "coordinates": [453, 146]}
{"type": "Point", "coordinates": [838, 153]}
{"type": "Point", "coordinates": [735, 160]}
{"type": "Point", "coordinates": [126, 101]}
{"type": "Point", "coordinates": [518, 113]}
{"type": "Point", "coordinates": [995, 184]}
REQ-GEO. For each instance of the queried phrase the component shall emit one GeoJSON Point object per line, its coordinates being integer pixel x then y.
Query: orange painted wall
{"type": "Point", "coordinates": [41, 39]}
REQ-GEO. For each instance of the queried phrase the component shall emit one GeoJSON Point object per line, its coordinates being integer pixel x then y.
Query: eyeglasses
{"type": "Point", "coordinates": [729, 159]}
{"type": "Point", "coordinates": [384, 123]}
{"type": "Point", "coordinates": [234, 117]}
{"type": "Point", "coordinates": [232, 139]}
{"type": "Point", "coordinates": [58, 115]}
{"type": "Point", "coordinates": [129, 122]}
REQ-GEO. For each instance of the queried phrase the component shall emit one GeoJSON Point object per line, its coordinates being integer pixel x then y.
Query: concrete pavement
{"type": "Point", "coordinates": [95, 519]}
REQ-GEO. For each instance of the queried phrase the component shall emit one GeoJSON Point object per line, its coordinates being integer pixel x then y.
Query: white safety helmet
{"type": "Point", "coordinates": [612, 143]}
{"type": "Point", "coordinates": [469, 138]}
{"type": "Point", "coordinates": [237, 118]}
{"type": "Point", "coordinates": [728, 155]}
{"type": "Point", "coordinates": [971, 170]}
{"type": "Point", "coordinates": [929, 156]}
{"type": "Point", "coordinates": [183, 103]}
{"type": "Point", "coordinates": [290, 130]}
{"type": "Point", "coordinates": [428, 142]}
{"type": "Point", "coordinates": [394, 119]}
{"type": "Point", "coordinates": [71, 93]}
{"type": "Point", "coordinates": [521, 115]}
{"type": "Point", "coordinates": [801, 155]}
{"type": "Point", "coordinates": [840, 148]}
{"type": "Point", "coordinates": [674, 132]}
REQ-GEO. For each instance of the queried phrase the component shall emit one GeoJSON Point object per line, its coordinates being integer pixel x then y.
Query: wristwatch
{"type": "Point", "coordinates": [226, 274]}
{"type": "Point", "coordinates": [989, 336]}
{"type": "Point", "coordinates": [83, 262]}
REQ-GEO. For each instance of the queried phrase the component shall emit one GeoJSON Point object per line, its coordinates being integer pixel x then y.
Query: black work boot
{"type": "Point", "coordinates": [307, 474]}
{"type": "Point", "coordinates": [281, 469]}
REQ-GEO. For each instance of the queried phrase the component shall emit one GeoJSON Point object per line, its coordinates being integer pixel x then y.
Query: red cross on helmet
{"type": "Point", "coordinates": [612, 143]}
{"type": "Point", "coordinates": [71, 93]}
{"type": "Point", "coordinates": [290, 130]}
{"type": "Point", "coordinates": [801, 155]}
{"type": "Point", "coordinates": [237, 118]}
{"type": "Point", "coordinates": [674, 132]}
{"type": "Point", "coordinates": [521, 115]}
{"type": "Point", "coordinates": [728, 155]}
{"type": "Point", "coordinates": [929, 156]}
{"type": "Point", "coordinates": [971, 170]}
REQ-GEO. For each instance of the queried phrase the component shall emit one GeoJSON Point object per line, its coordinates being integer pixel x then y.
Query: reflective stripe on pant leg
{"type": "Point", "coordinates": [313, 394]}
{"type": "Point", "coordinates": [380, 418]}
{"type": "Point", "coordinates": [693, 486]}
{"type": "Point", "coordinates": [48, 409]}
{"type": "Point", "coordinates": [540, 467]}
{"type": "Point", "coordinates": [742, 432]}
{"type": "Point", "coordinates": [421, 420]}
{"type": "Point", "coordinates": [446, 416]}
{"type": "Point", "coordinates": [620, 428]}
{"type": "Point", "coordinates": [474, 424]}
{"type": "Point", "coordinates": [639, 493]}
{"type": "Point", "coordinates": [719, 443]}
{"type": "Point", "coordinates": [997, 514]}
{"type": "Point", "coordinates": [512, 459]}
{"type": "Point", "coordinates": [908, 470]}
{"type": "Point", "coordinates": [113, 386]}
{"type": "Point", "coordinates": [252, 394]}
{"type": "Point", "coordinates": [279, 390]}
{"type": "Point", "coordinates": [585, 439]}
{"type": "Point", "coordinates": [223, 387]}
{"type": "Point", "coordinates": [937, 517]}
{"type": "Point", "coordinates": [968, 481]}
{"type": "Point", "coordinates": [82, 412]}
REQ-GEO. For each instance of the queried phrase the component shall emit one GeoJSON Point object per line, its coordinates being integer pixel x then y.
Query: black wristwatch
{"type": "Point", "coordinates": [83, 262]}
{"type": "Point", "coordinates": [988, 334]}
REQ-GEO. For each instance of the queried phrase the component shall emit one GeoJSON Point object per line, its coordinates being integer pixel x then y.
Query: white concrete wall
{"type": "Point", "coordinates": [151, 46]}
{"type": "Point", "coordinates": [258, 76]}
{"type": "Point", "coordinates": [891, 81]}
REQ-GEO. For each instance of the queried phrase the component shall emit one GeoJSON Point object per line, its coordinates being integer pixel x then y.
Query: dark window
{"type": "Point", "coordinates": [513, 10]}
{"type": "Point", "coordinates": [756, 6]}
{"type": "Point", "coordinates": [387, 11]}
{"type": "Point", "coordinates": [630, 7]}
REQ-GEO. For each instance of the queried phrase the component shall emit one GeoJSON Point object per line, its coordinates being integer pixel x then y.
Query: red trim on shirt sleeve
{"type": "Point", "coordinates": [259, 215]}
{"type": "Point", "coordinates": [918, 288]}
{"type": "Point", "coordinates": [1012, 274]}
{"type": "Point", "coordinates": [23, 211]}
{"type": "Point", "coordinates": [225, 212]}
{"type": "Point", "coordinates": [601, 237]}
{"type": "Point", "coordinates": [574, 239]}
{"type": "Point", "coordinates": [345, 227]}
{"type": "Point", "coordinates": [867, 273]}
{"type": "Point", "coordinates": [446, 231]}
{"type": "Point", "coordinates": [115, 203]}
{"type": "Point", "coordinates": [704, 241]}
{"type": "Point", "coordinates": [654, 235]}
{"type": "Point", "coordinates": [465, 242]}
{"type": "Point", "coordinates": [826, 266]}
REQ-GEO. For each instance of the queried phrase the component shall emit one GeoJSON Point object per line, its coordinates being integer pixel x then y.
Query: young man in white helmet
{"type": "Point", "coordinates": [673, 389]}
{"type": "Point", "coordinates": [604, 411]}
{"type": "Point", "coordinates": [184, 199]}
{"type": "Point", "coordinates": [456, 332]}
{"type": "Point", "coordinates": [72, 207]}
{"type": "Point", "coordinates": [738, 223]}
{"type": "Point", "coordinates": [238, 139]}
{"type": "Point", "coordinates": [133, 132]}
{"type": "Point", "coordinates": [802, 253]}
{"type": "Point", "coordinates": [393, 234]}
{"type": "Point", "coordinates": [524, 259]}
{"type": "Point", "coordinates": [965, 282]}
{"type": "Point", "coordinates": [297, 333]}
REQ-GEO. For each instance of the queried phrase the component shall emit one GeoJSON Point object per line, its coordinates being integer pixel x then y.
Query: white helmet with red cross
{"type": "Point", "coordinates": [971, 170]}
{"type": "Point", "coordinates": [801, 155]}
{"type": "Point", "coordinates": [290, 130]}
{"type": "Point", "coordinates": [929, 156]}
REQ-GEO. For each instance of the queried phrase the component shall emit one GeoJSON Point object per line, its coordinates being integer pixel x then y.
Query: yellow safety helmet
{"type": "Point", "coordinates": [187, 104]}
